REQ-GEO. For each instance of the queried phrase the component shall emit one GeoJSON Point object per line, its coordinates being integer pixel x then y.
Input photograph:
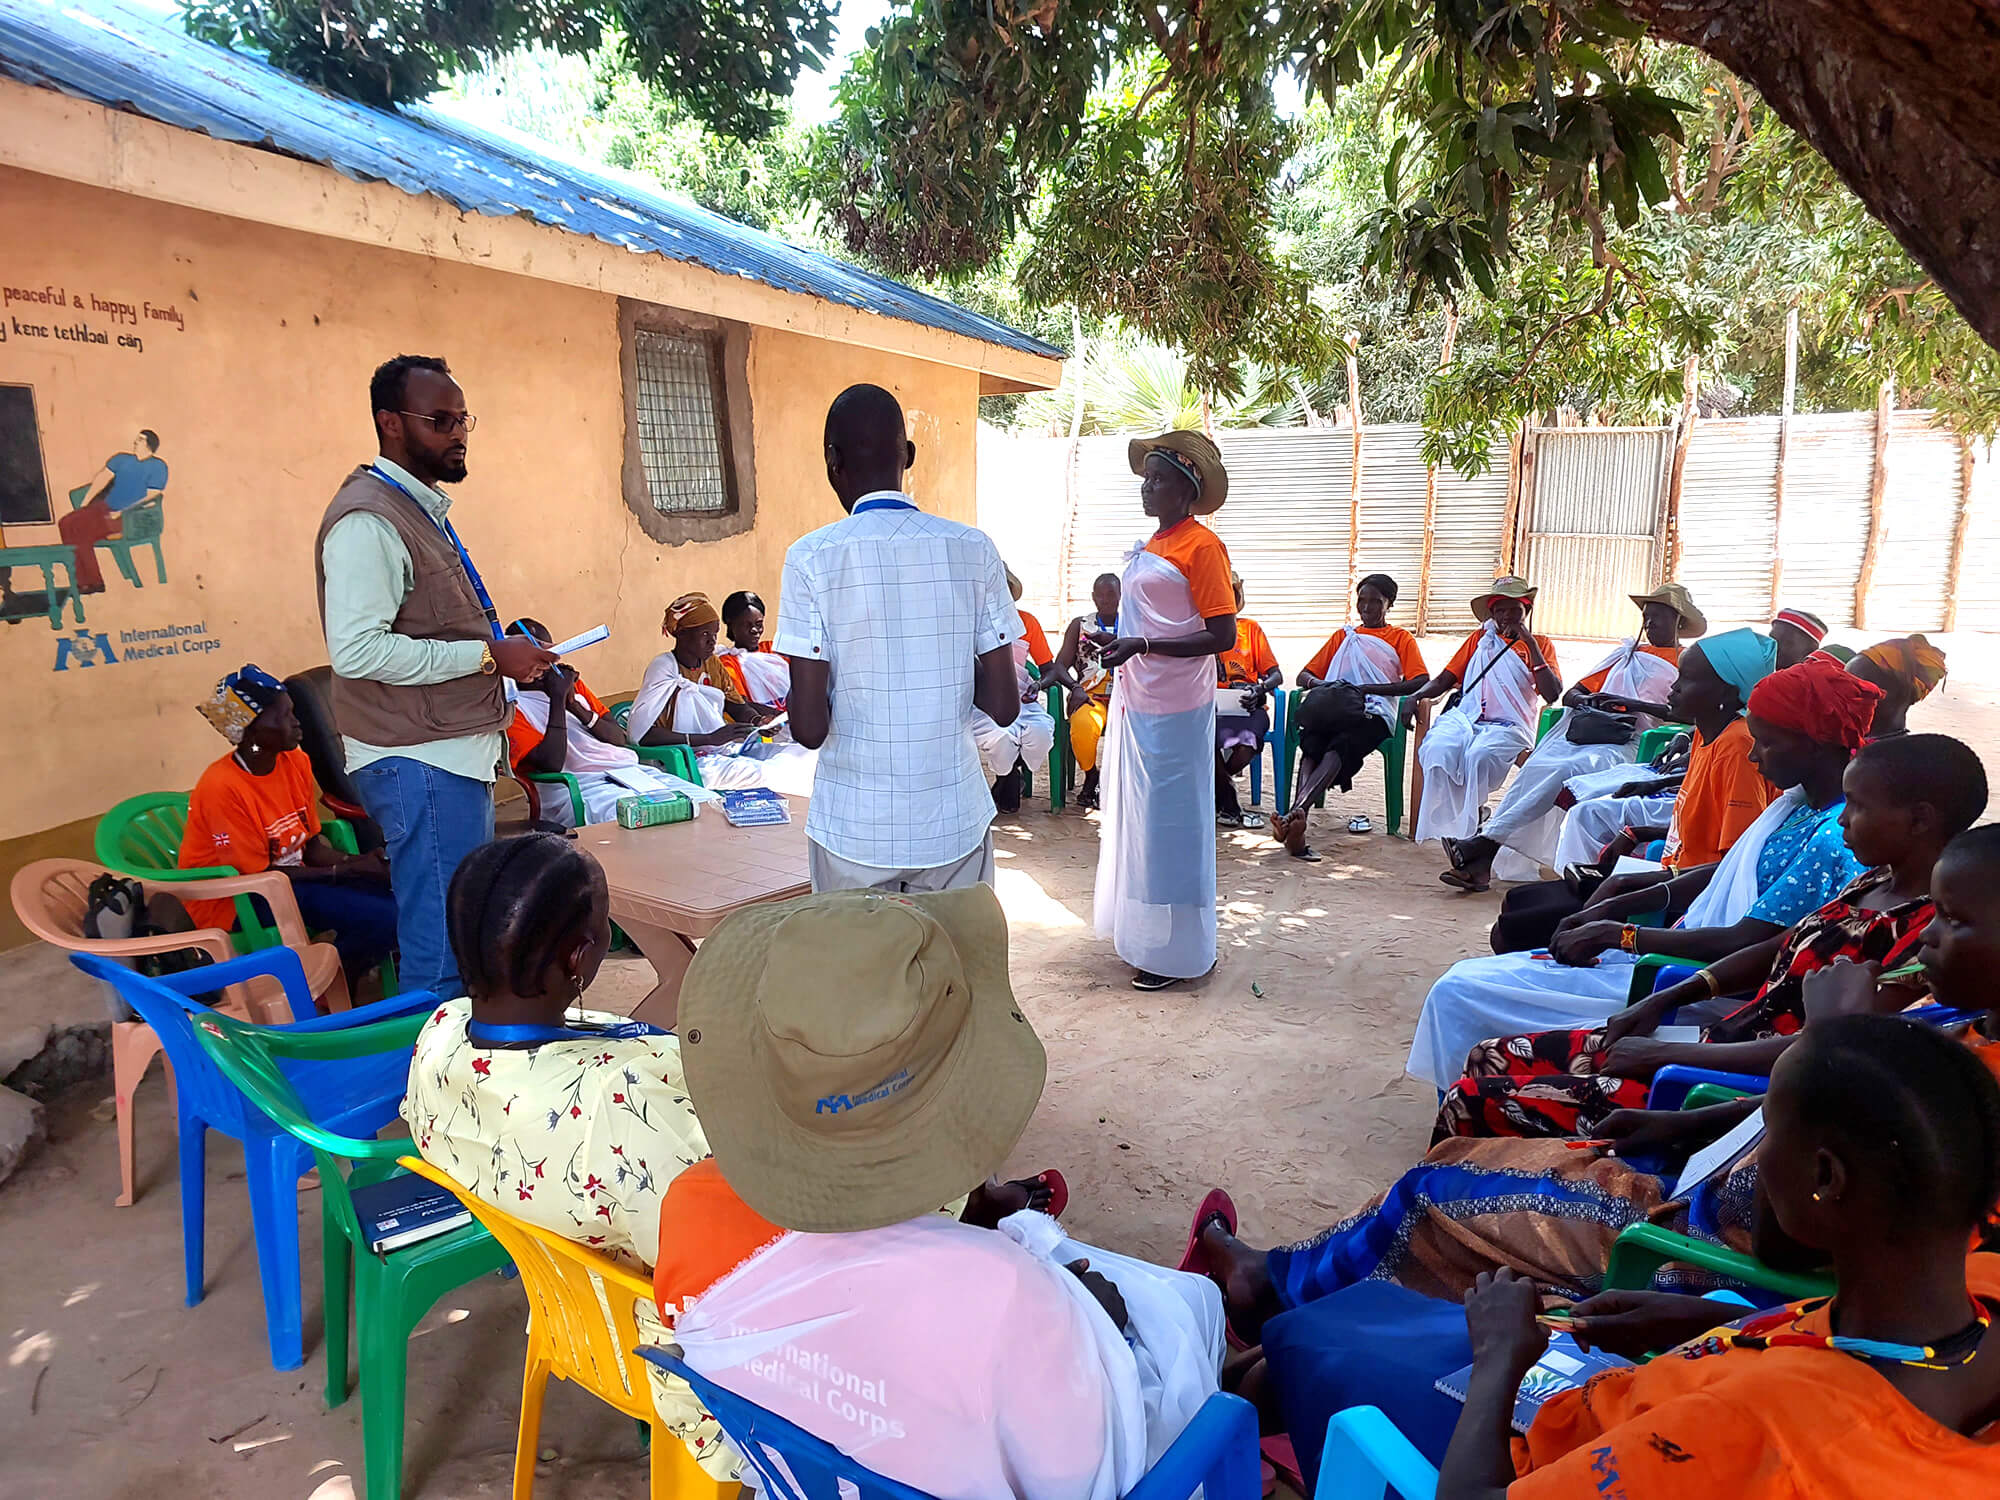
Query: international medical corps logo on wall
{"type": "Point", "coordinates": [94, 648]}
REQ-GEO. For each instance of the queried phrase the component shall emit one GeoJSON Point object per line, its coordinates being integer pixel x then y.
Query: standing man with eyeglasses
{"type": "Point", "coordinates": [421, 668]}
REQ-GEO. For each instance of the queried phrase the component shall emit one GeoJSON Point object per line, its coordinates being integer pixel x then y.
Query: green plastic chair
{"type": "Point", "coordinates": [1550, 713]}
{"type": "Point", "coordinates": [1705, 1094]}
{"type": "Point", "coordinates": [1654, 740]}
{"type": "Point", "coordinates": [1394, 752]}
{"type": "Point", "coordinates": [677, 759]}
{"type": "Point", "coordinates": [391, 1292]}
{"type": "Point", "coordinates": [1058, 749]}
{"type": "Point", "coordinates": [141, 837]}
{"type": "Point", "coordinates": [1641, 1249]}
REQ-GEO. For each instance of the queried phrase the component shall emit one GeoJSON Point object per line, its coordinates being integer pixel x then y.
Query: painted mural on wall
{"type": "Point", "coordinates": [78, 546]}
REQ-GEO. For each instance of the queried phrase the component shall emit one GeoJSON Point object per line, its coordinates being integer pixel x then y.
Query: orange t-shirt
{"type": "Point", "coordinates": [1037, 639]}
{"type": "Point", "coordinates": [522, 737]}
{"type": "Point", "coordinates": [1408, 657]}
{"type": "Point", "coordinates": [1249, 659]}
{"type": "Point", "coordinates": [706, 1231]}
{"type": "Point", "coordinates": [1456, 666]}
{"type": "Point", "coordinates": [249, 823]}
{"type": "Point", "coordinates": [1770, 1424]}
{"type": "Point", "coordinates": [1720, 797]}
{"type": "Point", "coordinates": [1594, 682]}
{"type": "Point", "coordinates": [1203, 560]}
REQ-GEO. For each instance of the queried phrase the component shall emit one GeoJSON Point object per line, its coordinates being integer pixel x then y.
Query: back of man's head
{"type": "Point", "coordinates": [867, 446]}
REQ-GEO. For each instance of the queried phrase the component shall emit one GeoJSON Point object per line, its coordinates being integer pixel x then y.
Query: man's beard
{"type": "Point", "coordinates": [450, 470]}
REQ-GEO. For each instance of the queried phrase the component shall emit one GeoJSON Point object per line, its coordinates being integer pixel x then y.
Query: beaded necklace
{"type": "Point", "coordinates": [1780, 1330]}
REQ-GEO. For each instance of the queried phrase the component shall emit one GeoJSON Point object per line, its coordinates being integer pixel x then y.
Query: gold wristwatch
{"type": "Point", "coordinates": [487, 665]}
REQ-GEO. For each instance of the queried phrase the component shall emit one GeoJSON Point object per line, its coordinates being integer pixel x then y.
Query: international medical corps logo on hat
{"type": "Point", "coordinates": [855, 1059]}
{"type": "Point", "coordinates": [833, 1104]}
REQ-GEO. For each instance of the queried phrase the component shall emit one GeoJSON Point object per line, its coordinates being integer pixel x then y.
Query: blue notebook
{"type": "Point", "coordinates": [1562, 1367]}
{"type": "Point", "coordinates": [758, 807]}
{"type": "Point", "coordinates": [404, 1209]}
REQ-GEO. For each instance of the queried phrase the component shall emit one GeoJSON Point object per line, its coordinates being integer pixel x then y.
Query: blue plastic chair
{"type": "Point", "coordinates": [1274, 737]}
{"type": "Point", "coordinates": [1216, 1453]}
{"type": "Point", "coordinates": [1366, 1458]}
{"type": "Point", "coordinates": [1671, 1084]}
{"type": "Point", "coordinates": [356, 1098]}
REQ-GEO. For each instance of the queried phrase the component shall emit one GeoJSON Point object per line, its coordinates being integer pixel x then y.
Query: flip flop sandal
{"type": "Point", "coordinates": [1453, 853]}
{"type": "Point", "coordinates": [1465, 883]}
{"type": "Point", "coordinates": [1251, 820]}
{"type": "Point", "coordinates": [1058, 1191]}
{"type": "Point", "coordinates": [1305, 852]}
{"type": "Point", "coordinates": [1360, 823]}
{"type": "Point", "coordinates": [1217, 1205]}
{"type": "Point", "coordinates": [1278, 1455]}
{"type": "Point", "coordinates": [1152, 982]}
{"type": "Point", "coordinates": [1269, 1477]}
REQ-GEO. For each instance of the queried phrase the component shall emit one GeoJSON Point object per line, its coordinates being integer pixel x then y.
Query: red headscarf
{"type": "Point", "coordinates": [1820, 700]}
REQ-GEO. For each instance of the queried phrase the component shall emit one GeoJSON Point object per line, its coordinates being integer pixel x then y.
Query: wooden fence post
{"type": "Point", "coordinates": [1354, 474]}
{"type": "Point", "coordinates": [1683, 440]}
{"type": "Point", "coordinates": [1878, 480]}
{"type": "Point", "coordinates": [1520, 460]}
{"type": "Point", "coordinates": [1784, 453]}
{"type": "Point", "coordinates": [1958, 531]}
{"type": "Point", "coordinates": [1431, 492]}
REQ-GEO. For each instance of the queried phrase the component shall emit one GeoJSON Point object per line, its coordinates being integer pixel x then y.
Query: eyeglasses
{"type": "Point", "coordinates": [445, 421]}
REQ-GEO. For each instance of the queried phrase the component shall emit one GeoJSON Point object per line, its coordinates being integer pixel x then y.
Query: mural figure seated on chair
{"type": "Point", "coordinates": [101, 509]}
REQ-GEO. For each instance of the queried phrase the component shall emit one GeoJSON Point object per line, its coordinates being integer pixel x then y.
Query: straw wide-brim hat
{"type": "Point", "coordinates": [1198, 452]}
{"type": "Point", "coordinates": [856, 1059]}
{"type": "Point", "coordinates": [1508, 587]}
{"type": "Point", "coordinates": [1676, 597]}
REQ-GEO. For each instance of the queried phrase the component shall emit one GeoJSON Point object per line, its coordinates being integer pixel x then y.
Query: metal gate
{"type": "Point", "coordinates": [1594, 526]}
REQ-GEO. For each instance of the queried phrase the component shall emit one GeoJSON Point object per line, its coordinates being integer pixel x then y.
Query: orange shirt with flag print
{"type": "Point", "coordinates": [1409, 660]}
{"type": "Point", "coordinates": [248, 823]}
{"type": "Point", "coordinates": [1768, 1424]}
{"type": "Point", "coordinates": [1203, 561]}
{"type": "Point", "coordinates": [1249, 659]}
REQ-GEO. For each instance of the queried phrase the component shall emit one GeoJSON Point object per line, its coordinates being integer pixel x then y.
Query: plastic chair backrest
{"type": "Point", "coordinates": [566, 1316]}
{"type": "Point", "coordinates": [1367, 1456]}
{"type": "Point", "coordinates": [247, 1057]}
{"type": "Point", "coordinates": [203, 1091]}
{"type": "Point", "coordinates": [142, 836]}
{"type": "Point", "coordinates": [1216, 1453]}
{"type": "Point", "coordinates": [319, 735]}
{"type": "Point", "coordinates": [144, 522]}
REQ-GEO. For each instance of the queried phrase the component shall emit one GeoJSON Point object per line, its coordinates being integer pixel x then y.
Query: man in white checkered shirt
{"type": "Point", "coordinates": [897, 624]}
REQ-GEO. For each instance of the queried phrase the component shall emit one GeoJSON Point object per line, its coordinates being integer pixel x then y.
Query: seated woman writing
{"type": "Point", "coordinates": [1718, 795]}
{"type": "Point", "coordinates": [257, 809]}
{"type": "Point", "coordinates": [1907, 799]}
{"type": "Point", "coordinates": [1602, 716]}
{"type": "Point", "coordinates": [1907, 669]}
{"type": "Point", "coordinates": [1805, 724]}
{"type": "Point", "coordinates": [577, 1121]}
{"type": "Point", "coordinates": [759, 674]}
{"type": "Point", "coordinates": [1504, 672]}
{"type": "Point", "coordinates": [1080, 668]}
{"type": "Point", "coordinates": [857, 1059]}
{"type": "Point", "coordinates": [559, 724]}
{"type": "Point", "coordinates": [1245, 677]}
{"type": "Point", "coordinates": [1346, 706]}
{"type": "Point", "coordinates": [688, 698]}
{"type": "Point", "coordinates": [1882, 1156]}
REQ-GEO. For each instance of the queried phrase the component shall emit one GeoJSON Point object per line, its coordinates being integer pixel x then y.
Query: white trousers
{"type": "Point", "coordinates": [1029, 739]}
{"type": "Point", "coordinates": [1464, 760]}
{"type": "Point", "coordinates": [1591, 825]}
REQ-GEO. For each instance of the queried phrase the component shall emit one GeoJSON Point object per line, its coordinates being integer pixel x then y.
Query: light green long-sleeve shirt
{"type": "Point", "coordinates": [368, 577]}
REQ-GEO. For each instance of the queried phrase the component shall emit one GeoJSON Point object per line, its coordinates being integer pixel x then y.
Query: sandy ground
{"type": "Point", "coordinates": [1279, 1077]}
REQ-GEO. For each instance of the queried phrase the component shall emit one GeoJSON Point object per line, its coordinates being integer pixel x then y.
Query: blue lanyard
{"type": "Point", "coordinates": [464, 557]}
{"type": "Point", "coordinates": [882, 502]}
{"type": "Point", "coordinates": [486, 1034]}
{"type": "Point", "coordinates": [1942, 1015]}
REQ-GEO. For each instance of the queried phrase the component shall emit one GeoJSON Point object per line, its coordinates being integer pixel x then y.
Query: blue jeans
{"type": "Point", "coordinates": [362, 914]}
{"type": "Point", "coordinates": [430, 820]}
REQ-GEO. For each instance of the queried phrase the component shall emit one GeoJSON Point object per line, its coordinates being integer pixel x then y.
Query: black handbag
{"type": "Point", "coordinates": [1597, 726]}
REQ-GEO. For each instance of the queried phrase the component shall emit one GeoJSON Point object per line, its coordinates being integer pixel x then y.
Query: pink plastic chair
{"type": "Point", "coordinates": [51, 896]}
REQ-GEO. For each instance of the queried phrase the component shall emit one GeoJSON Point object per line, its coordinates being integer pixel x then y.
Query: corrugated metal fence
{"type": "Point", "coordinates": [1591, 520]}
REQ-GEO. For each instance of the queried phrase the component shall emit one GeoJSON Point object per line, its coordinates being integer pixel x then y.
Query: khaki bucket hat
{"type": "Point", "coordinates": [1676, 597]}
{"type": "Point", "coordinates": [1506, 587]}
{"type": "Point", "coordinates": [1195, 455]}
{"type": "Point", "coordinates": [856, 1059]}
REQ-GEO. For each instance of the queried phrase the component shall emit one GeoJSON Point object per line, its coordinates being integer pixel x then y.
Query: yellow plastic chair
{"type": "Point", "coordinates": [568, 1338]}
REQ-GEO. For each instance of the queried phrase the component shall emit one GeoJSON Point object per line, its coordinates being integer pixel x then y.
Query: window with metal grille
{"type": "Point", "coordinates": [683, 436]}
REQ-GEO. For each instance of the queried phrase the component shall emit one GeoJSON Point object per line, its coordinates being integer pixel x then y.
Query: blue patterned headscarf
{"type": "Point", "coordinates": [1741, 658]}
{"type": "Point", "coordinates": [238, 699]}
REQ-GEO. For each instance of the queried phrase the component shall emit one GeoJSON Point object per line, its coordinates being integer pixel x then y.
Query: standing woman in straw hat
{"type": "Point", "coordinates": [1504, 668]}
{"type": "Point", "coordinates": [1602, 717]}
{"type": "Point", "coordinates": [1177, 611]}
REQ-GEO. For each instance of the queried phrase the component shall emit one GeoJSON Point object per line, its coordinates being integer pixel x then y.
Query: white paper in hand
{"type": "Point", "coordinates": [590, 637]}
{"type": "Point", "coordinates": [1707, 1162]}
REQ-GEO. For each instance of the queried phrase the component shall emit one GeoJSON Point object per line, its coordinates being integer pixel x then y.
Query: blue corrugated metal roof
{"type": "Point", "coordinates": [128, 59]}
